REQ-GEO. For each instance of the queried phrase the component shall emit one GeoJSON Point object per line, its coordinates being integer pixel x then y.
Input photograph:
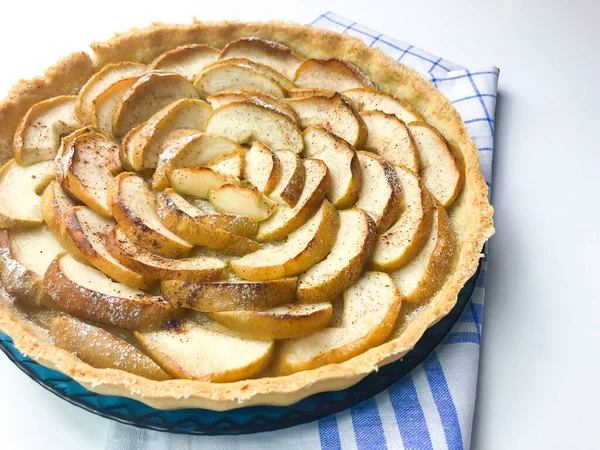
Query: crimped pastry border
{"type": "Point", "coordinates": [471, 215]}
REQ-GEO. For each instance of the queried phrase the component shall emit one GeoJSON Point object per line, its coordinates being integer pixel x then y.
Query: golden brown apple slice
{"type": "Point", "coordinates": [38, 135]}
{"type": "Point", "coordinates": [230, 164]}
{"type": "Point", "coordinates": [290, 185]}
{"type": "Point", "coordinates": [342, 267]}
{"type": "Point", "coordinates": [262, 168]}
{"type": "Point", "coordinates": [381, 193]}
{"type": "Point", "coordinates": [333, 113]}
{"type": "Point", "coordinates": [25, 254]}
{"type": "Point", "coordinates": [330, 74]}
{"type": "Point", "coordinates": [286, 219]}
{"type": "Point", "coordinates": [272, 54]}
{"type": "Point", "coordinates": [371, 307]}
{"type": "Point", "coordinates": [366, 99]}
{"type": "Point", "coordinates": [102, 349]}
{"type": "Point", "coordinates": [194, 351]}
{"type": "Point", "coordinates": [342, 162]}
{"type": "Point", "coordinates": [141, 147]}
{"type": "Point", "coordinates": [199, 268]}
{"type": "Point", "coordinates": [389, 138]}
{"type": "Point", "coordinates": [88, 231]}
{"type": "Point", "coordinates": [86, 166]}
{"type": "Point", "coordinates": [282, 322]}
{"type": "Point", "coordinates": [249, 202]}
{"type": "Point", "coordinates": [246, 122]}
{"type": "Point", "coordinates": [189, 148]}
{"type": "Point", "coordinates": [408, 235]}
{"type": "Point", "coordinates": [87, 293]}
{"type": "Point", "coordinates": [104, 105]}
{"type": "Point", "coordinates": [133, 206]}
{"type": "Point", "coordinates": [227, 75]}
{"type": "Point", "coordinates": [187, 60]}
{"type": "Point", "coordinates": [20, 190]}
{"type": "Point", "coordinates": [424, 275]}
{"type": "Point", "coordinates": [305, 247]}
{"type": "Point", "coordinates": [437, 165]}
{"type": "Point", "coordinates": [198, 181]}
{"type": "Point", "coordinates": [148, 95]}
{"type": "Point", "coordinates": [225, 233]}
{"type": "Point", "coordinates": [99, 82]}
{"type": "Point", "coordinates": [262, 68]}
{"type": "Point", "coordinates": [230, 295]}
{"type": "Point", "coordinates": [225, 97]}
{"type": "Point", "coordinates": [55, 204]}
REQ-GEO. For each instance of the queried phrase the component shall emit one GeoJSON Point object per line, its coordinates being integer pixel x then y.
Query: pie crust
{"type": "Point", "coordinates": [470, 215]}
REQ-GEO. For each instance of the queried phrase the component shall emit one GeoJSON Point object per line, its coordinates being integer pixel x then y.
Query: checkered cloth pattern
{"type": "Point", "coordinates": [432, 407]}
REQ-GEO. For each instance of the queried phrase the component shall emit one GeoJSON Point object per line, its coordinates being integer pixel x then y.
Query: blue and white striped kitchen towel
{"type": "Point", "coordinates": [432, 407]}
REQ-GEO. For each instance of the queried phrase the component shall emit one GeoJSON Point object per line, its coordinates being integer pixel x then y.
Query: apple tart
{"type": "Point", "coordinates": [218, 215]}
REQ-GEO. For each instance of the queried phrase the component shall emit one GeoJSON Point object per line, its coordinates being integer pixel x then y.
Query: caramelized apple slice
{"type": "Point", "coordinates": [102, 349]}
{"type": "Point", "coordinates": [330, 74]}
{"type": "Point", "coordinates": [367, 99]}
{"type": "Point", "coordinates": [87, 293]}
{"type": "Point", "coordinates": [262, 168]}
{"type": "Point", "coordinates": [198, 181]}
{"type": "Point", "coordinates": [249, 202]}
{"type": "Point", "coordinates": [38, 135]}
{"type": "Point", "coordinates": [290, 185]}
{"type": "Point", "coordinates": [104, 105]}
{"type": "Point", "coordinates": [305, 247]}
{"type": "Point", "coordinates": [223, 98]}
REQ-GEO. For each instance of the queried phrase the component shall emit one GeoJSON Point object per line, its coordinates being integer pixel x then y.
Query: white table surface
{"type": "Point", "coordinates": [539, 368]}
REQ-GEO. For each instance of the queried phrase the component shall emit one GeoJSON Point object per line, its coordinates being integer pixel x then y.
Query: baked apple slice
{"type": "Point", "coordinates": [263, 168]}
{"type": "Point", "coordinates": [230, 164]}
{"type": "Point", "coordinates": [381, 193]}
{"type": "Point", "coordinates": [290, 185]}
{"type": "Point", "coordinates": [148, 95]}
{"type": "Point", "coordinates": [367, 99]}
{"type": "Point", "coordinates": [249, 121]}
{"type": "Point", "coordinates": [282, 322]}
{"type": "Point", "coordinates": [198, 181]}
{"type": "Point", "coordinates": [224, 233]}
{"type": "Point", "coordinates": [88, 231]}
{"type": "Point", "coordinates": [25, 254]}
{"type": "Point", "coordinates": [342, 162]}
{"type": "Point", "coordinates": [262, 68]}
{"type": "Point", "coordinates": [370, 310]}
{"type": "Point", "coordinates": [102, 349]}
{"type": "Point", "coordinates": [343, 266]}
{"type": "Point", "coordinates": [141, 147]}
{"type": "Point", "coordinates": [20, 190]}
{"type": "Point", "coordinates": [425, 274]}
{"type": "Point", "coordinates": [86, 166]}
{"type": "Point", "coordinates": [223, 98]}
{"type": "Point", "coordinates": [186, 60]}
{"type": "Point", "coordinates": [249, 202]}
{"type": "Point", "coordinates": [305, 247]}
{"type": "Point", "coordinates": [104, 105]}
{"type": "Point", "coordinates": [272, 54]}
{"type": "Point", "coordinates": [389, 137]}
{"type": "Point", "coordinates": [140, 260]}
{"type": "Point", "coordinates": [194, 351]}
{"type": "Point", "coordinates": [230, 295]}
{"type": "Point", "coordinates": [228, 75]}
{"type": "Point", "coordinates": [37, 137]}
{"type": "Point", "coordinates": [309, 92]}
{"type": "Point", "coordinates": [99, 82]}
{"type": "Point", "coordinates": [437, 165]}
{"type": "Point", "coordinates": [133, 206]}
{"type": "Point", "coordinates": [333, 113]}
{"type": "Point", "coordinates": [55, 204]}
{"type": "Point", "coordinates": [286, 219]}
{"type": "Point", "coordinates": [190, 148]}
{"type": "Point", "coordinates": [330, 74]}
{"type": "Point", "coordinates": [401, 243]}
{"type": "Point", "coordinates": [88, 294]}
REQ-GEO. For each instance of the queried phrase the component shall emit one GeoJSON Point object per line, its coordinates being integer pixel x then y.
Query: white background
{"type": "Point", "coordinates": [539, 374]}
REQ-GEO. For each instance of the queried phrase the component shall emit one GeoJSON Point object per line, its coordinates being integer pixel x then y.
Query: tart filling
{"type": "Point", "coordinates": [260, 205]}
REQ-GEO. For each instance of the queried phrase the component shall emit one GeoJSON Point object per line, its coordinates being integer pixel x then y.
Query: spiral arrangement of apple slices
{"type": "Point", "coordinates": [188, 218]}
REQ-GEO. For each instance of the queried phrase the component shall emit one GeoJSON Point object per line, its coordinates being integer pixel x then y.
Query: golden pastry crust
{"type": "Point", "coordinates": [471, 214]}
